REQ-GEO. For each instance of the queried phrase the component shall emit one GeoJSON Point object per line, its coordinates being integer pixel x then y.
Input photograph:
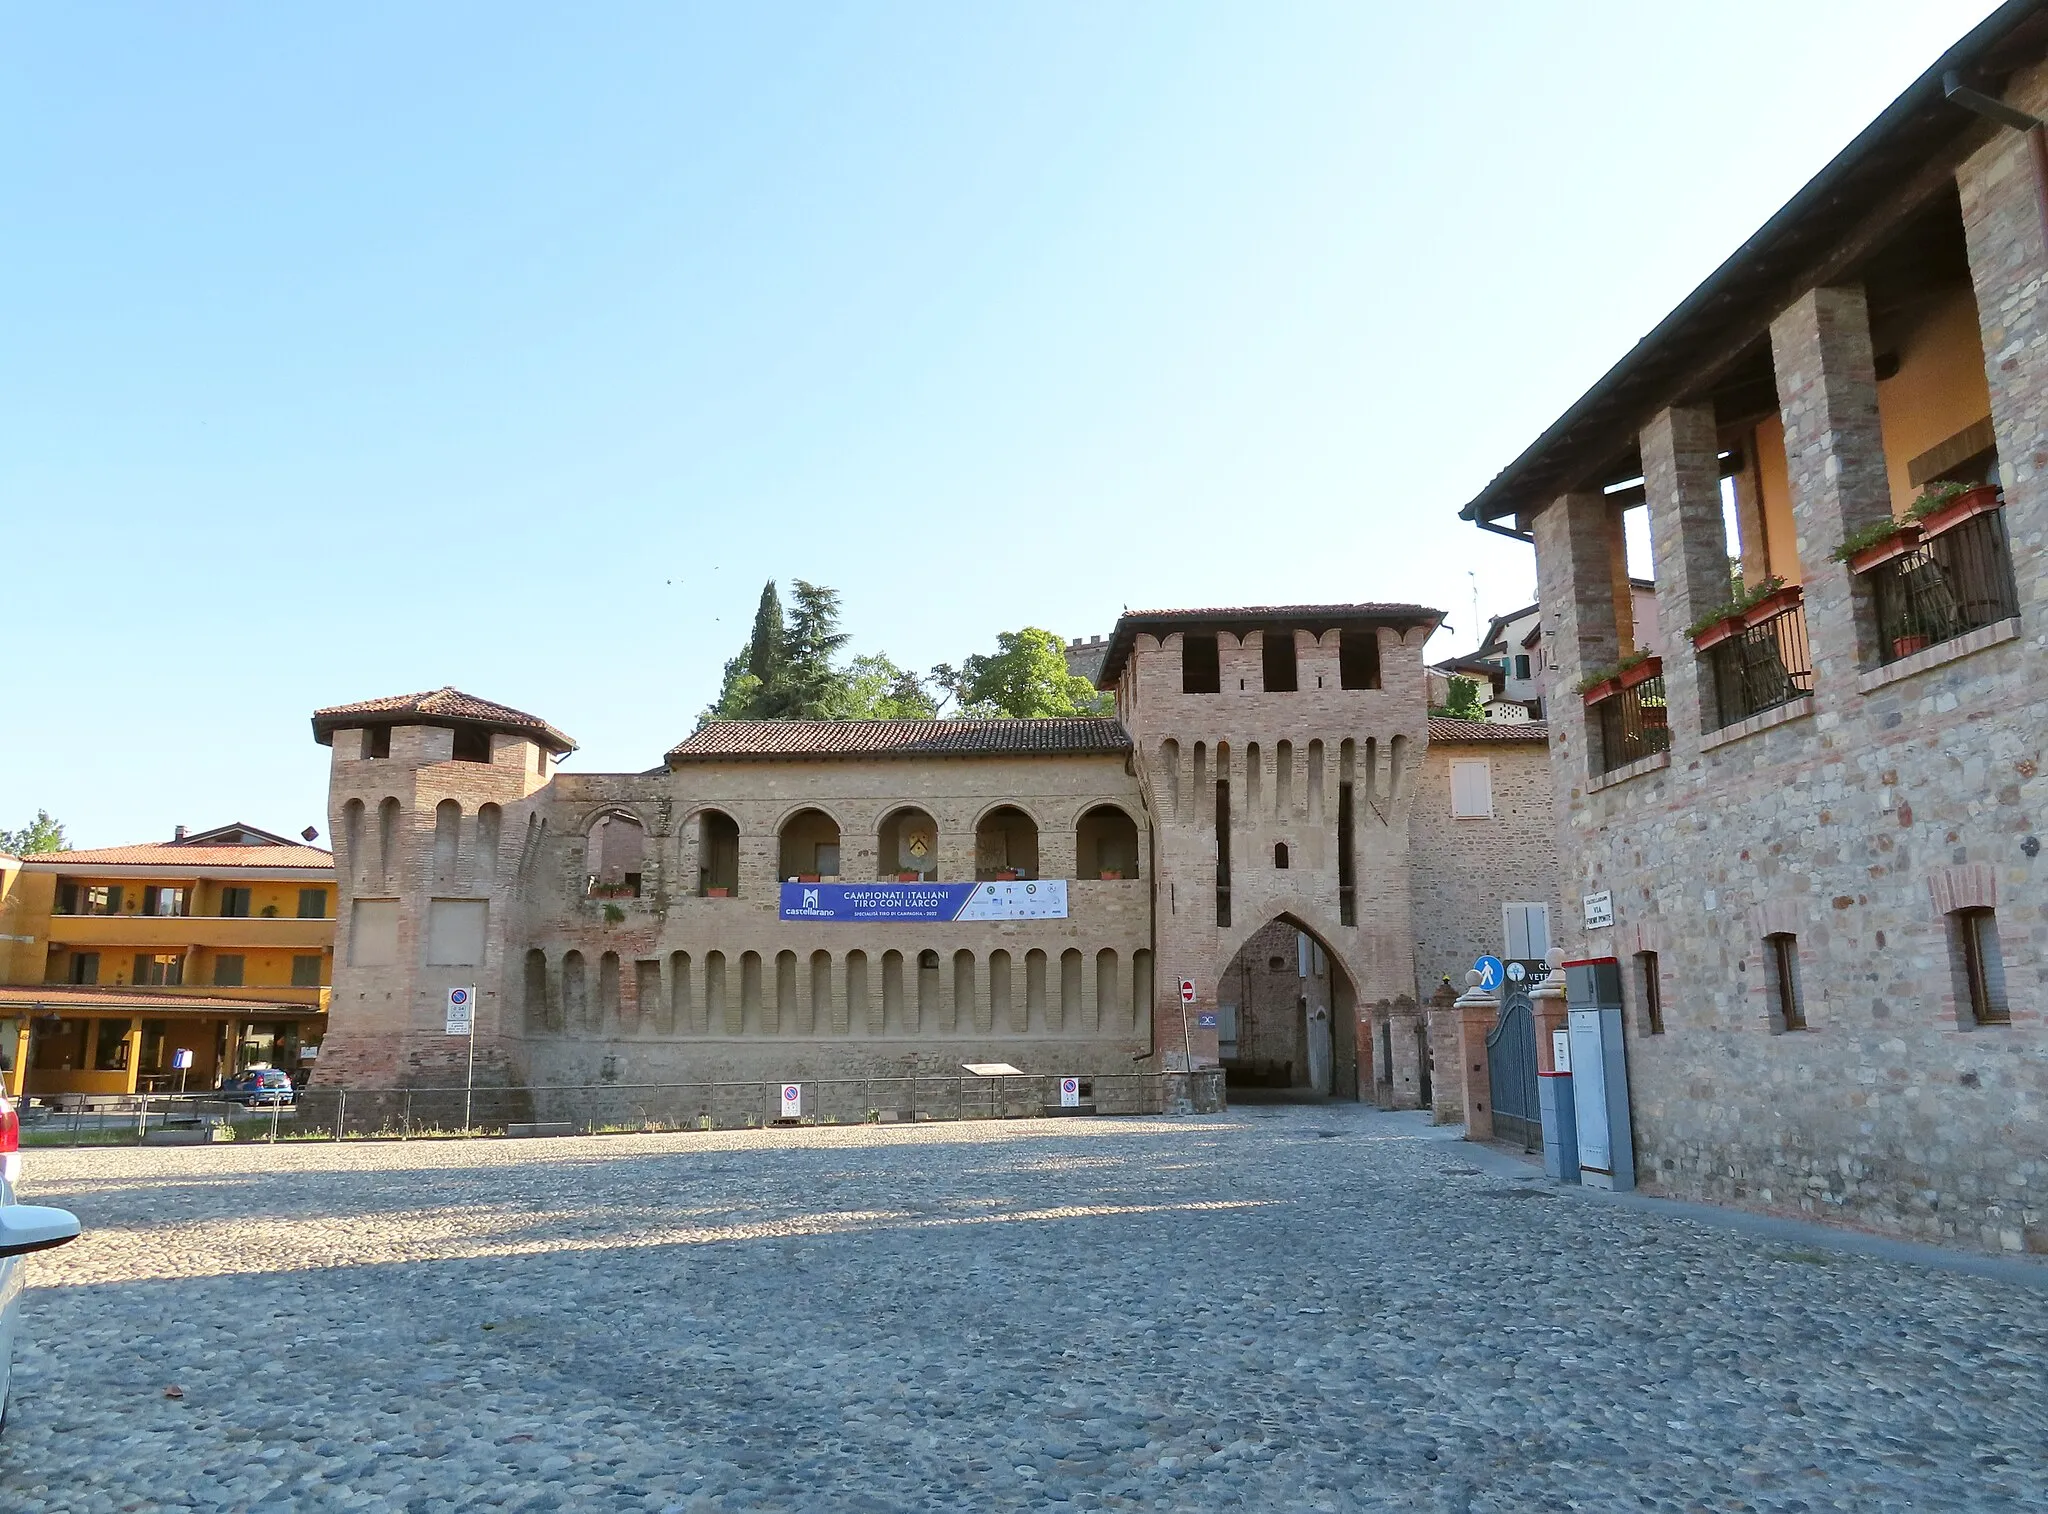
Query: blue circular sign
{"type": "Point", "coordinates": [1490, 972]}
{"type": "Point", "coordinates": [458, 996]}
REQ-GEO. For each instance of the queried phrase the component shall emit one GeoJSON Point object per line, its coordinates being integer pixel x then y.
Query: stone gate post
{"type": "Point", "coordinates": [1478, 1012]}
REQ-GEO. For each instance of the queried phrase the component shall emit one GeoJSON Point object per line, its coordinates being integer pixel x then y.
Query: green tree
{"type": "Point", "coordinates": [874, 688]}
{"type": "Point", "coordinates": [1026, 676]}
{"type": "Point", "coordinates": [1462, 703]}
{"type": "Point", "coordinates": [41, 834]}
{"type": "Point", "coordinates": [804, 684]}
{"type": "Point", "coordinates": [764, 650]}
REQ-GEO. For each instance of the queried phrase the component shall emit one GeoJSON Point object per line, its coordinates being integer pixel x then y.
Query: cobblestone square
{"type": "Point", "coordinates": [1275, 1309]}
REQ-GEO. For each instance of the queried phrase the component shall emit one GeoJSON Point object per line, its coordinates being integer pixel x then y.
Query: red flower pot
{"type": "Point", "coordinates": [1111, 875]}
{"type": "Point", "coordinates": [1906, 646]}
{"type": "Point", "coordinates": [1606, 688]}
{"type": "Point", "coordinates": [1965, 506]}
{"type": "Point", "coordinates": [1718, 632]}
{"type": "Point", "coordinates": [1772, 604]}
{"type": "Point", "coordinates": [1877, 554]}
{"type": "Point", "coordinates": [1642, 672]}
{"type": "Point", "coordinates": [717, 893]}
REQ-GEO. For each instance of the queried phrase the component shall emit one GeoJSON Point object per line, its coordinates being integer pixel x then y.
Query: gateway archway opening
{"type": "Point", "coordinates": [1286, 1018]}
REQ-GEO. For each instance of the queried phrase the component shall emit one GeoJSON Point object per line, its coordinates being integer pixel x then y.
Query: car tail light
{"type": "Point", "coordinates": [10, 1129]}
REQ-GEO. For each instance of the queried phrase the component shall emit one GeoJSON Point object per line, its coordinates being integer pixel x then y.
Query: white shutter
{"type": "Point", "coordinates": [1514, 925]}
{"type": "Point", "coordinates": [1539, 931]}
{"type": "Point", "coordinates": [1471, 790]}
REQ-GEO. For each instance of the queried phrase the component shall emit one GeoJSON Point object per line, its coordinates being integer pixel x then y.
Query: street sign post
{"type": "Point", "coordinates": [792, 1101]}
{"type": "Point", "coordinates": [1491, 973]}
{"type": "Point", "coordinates": [1187, 1044]}
{"type": "Point", "coordinates": [1070, 1093]}
{"type": "Point", "coordinates": [462, 1022]}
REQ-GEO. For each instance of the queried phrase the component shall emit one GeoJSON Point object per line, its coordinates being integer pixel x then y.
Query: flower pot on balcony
{"type": "Point", "coordinates": [718, 893]}
{"type": "Point", "coordinates": [1006, 875]}
{"type": "Point", "coordinates": [1965, 506]}
{"type": "Point", "coordinates": [1772, 604]}
{"type": "Point", "coordinates": [1877, 554]}
{"type": "Point", "coordinates": [809, 878]}
{"type": "Point", "coordinates": [1111, 875]}
{"type": "Point", "coordinates": [1606, 688]}
{"type": "Point", "coordinates": [906, 877]}
{"type": "Point", "coordinates": [1717, 633]}
{"type": "Point", "coordinates": [1906, 646]}
{"type": "Point", "coordinates": [1642, 672]}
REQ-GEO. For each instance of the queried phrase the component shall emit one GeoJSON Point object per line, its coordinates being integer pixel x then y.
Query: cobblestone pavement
{"type": "Point", "coordinates": [1277, 1309]}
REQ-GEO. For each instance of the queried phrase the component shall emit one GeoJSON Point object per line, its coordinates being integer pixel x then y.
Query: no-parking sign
{"type": "Point", "coordinates": [461, 1011]}
{"type": "Point", "coordinates": [792, 1101]}
{"type": "Point", "coordinates": [1070, 1093]}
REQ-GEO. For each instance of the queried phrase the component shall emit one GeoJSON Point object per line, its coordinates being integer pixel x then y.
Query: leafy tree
{"type": "Point", "coordinates": [41, 834]}
{"type": "Point", "coordinates": [765, 648]}
{"type": "Point", "coordinates": [1462, 702]}
{"type": "Point", "coordinates": [1026, 676]}
{"type": "Point", "coordinates": [874, 688]}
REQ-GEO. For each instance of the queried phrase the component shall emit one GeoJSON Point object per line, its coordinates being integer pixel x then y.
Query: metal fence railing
{"type": "Point", "coordinates": [1761, 666]}
{"type": "Point", "coordinates": [417, 1113]}
{"type": "Point", "coordinates": [1944, 587]}
{"type": "Point", "coordinates": [1634, 723]}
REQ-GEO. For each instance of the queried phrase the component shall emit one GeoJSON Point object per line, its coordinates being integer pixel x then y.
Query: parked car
{"type": "Point", "coordinates": [265, 1086]}
{"type": "Point", "coordinates": [23, 1228]}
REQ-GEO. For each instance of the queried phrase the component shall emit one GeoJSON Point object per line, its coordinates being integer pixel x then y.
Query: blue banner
{"type": "Point", "coordinates": [858, 903]}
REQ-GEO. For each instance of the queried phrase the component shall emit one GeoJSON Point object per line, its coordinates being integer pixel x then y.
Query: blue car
{"type": "Point", "coordinates": [265, 1086]}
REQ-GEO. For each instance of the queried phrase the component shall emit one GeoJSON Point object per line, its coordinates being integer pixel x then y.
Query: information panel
{"type": "Point", "coordinates": [861, 903]}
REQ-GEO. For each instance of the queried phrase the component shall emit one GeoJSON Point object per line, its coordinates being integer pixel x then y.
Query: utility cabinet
{"type": "Point", "coordinates": [1599, 1074]}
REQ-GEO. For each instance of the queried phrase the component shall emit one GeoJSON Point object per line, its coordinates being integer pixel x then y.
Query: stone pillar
{"type": "Point", "coordinates": [2002, 224]}
{"type": "Point", "coordinates": [1547, 1010]}
{"type": "Point", "coordinates": [1749, 521]}
{"type": "Point", "coordinates": [1682, 479]}
{"type": "Point", "coordinates": [1446, 1089]}
{"type": "Point", "coordinates": [1478, 1012]}
{"type": "Point", "coordinates": [1827, 394]}
{"type": "Point", "coordinates": [1404, 1020]}
{"type": "Point", "coordinates": [1575, 586]}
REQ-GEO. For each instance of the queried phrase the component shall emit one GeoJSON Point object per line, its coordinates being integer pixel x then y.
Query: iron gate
{"type": "Point", "coordinates": [1511, 1067]}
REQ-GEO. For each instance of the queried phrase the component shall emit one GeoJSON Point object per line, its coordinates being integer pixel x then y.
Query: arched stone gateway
{"type": "Point", "coordinates": [1287, 1018]}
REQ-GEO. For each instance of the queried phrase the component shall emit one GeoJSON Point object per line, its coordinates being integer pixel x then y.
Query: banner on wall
{"type": "Point", "coordinates": [863, 903]}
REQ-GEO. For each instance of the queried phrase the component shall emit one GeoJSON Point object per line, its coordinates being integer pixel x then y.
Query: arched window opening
{"type": "Point", "coordinates": [387, 844]}
{"type": "Point", "coordinates": [609, 1010]}
{"type": "Point", "coordinates": [352, 839]}
{"type": "Point", "coordinates": [575, 992]}
{"type": "Point", "coordinates": [1006, 844]}
{"type": "Point", "coordinates": [907, 847]}
{"type": "Point", "coordinates": [718, 855]}
{"type": "Point", "coordinates": [490, 823]}
{"type": "Point", "coordinates": [447, 837]}
{"type": "Point", "coordinates": [1106, 844]}
{"type": "Point", "coordinates": [615, 856]}
{"type": "Point", "coordinates": [810, 847]}
{"type": "Point", "coordinates": [537, 990]}
{"type": "Point", "coordinates": [1280, 855]}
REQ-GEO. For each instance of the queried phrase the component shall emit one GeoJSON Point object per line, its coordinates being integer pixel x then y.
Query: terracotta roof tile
{"type": "Point", "coordinates": [1442, 729]}
{"type": "Point", "coordinates": [178, 854]}
{"type": "Point", "coordinates": [724, 740]}
{"type": "Point", "coordinates": [442, 706]}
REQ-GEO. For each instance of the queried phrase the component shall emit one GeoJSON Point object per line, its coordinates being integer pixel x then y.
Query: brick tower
{"type": "Point", "coordinates": [1279, 750]}
{"type": "Point", "coordinates": [429, 806]}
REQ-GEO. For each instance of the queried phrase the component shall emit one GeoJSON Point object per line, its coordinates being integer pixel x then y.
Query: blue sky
{"type": "Point", "coordinates": [352, 350]}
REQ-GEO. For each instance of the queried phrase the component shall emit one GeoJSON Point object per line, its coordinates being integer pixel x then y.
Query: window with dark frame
{"type": "Point", "coordinates": [472, 745]}
{"type": "Point", "coordinates": [1783, 951]}
{"type": "Point", "coordinates": [1277, 657]}
{"type": "Point", "coordinates": [376, 741]}
{"type": "Point", "coordinates": [85, 967]}
{"type": "Point", "coordinates": [1280, 858]}
{"type": "Point", "coordinates": [1358, 658]}
{"type": "Point", "coordinates": [312, 904]}
{"type": "Point", "coordinates": [306, 971]}
{"type": "Point", "coordinates": [1975, 932]}
{"type": "Point", "coordinates": [1653, 993]}
{"type": "Point", "coordinates": [1201, 664]}
{"type": "Point", "coordinates": [227, 971]}
{"type": "Point", "coordinates": [234, 904]}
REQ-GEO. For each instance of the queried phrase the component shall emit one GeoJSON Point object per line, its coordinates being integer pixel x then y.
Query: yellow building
{"type": "Point", "coordinates": [219, 944]}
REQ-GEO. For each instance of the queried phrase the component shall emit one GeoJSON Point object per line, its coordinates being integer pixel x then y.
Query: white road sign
{"type": "Point", "coordinates": [461, 1011]}
{"type": "Point", "coordinates": [1187, 990]}
{"type": "Point", "coordinates": [792, 1101]}
{"type": "Point", "coordinates": [1599, 909]}
{"type": "Point", "coordinates": [1070, 1093]}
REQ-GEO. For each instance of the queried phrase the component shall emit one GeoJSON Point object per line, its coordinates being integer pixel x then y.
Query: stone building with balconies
{"type": "Point", "coordinates": [1815, 813]}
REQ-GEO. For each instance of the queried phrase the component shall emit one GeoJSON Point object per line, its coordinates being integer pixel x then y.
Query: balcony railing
{"type": "Point", "coordinates": [1634, 723]}
{"type": "Point", "coordinates": [1762, 662]}
{"type": "Point", "coordinates": [1944, 586]}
